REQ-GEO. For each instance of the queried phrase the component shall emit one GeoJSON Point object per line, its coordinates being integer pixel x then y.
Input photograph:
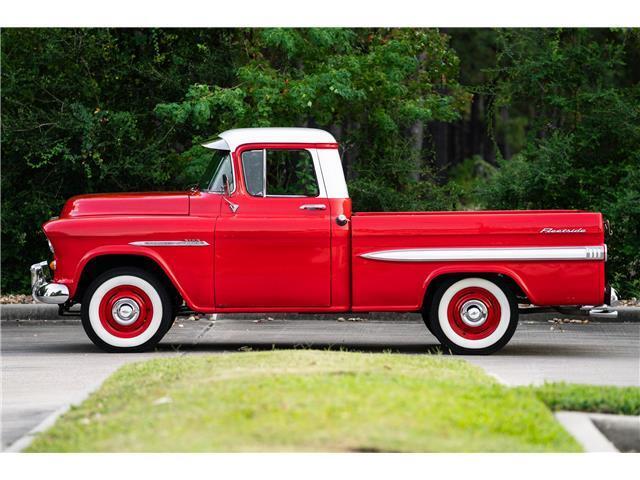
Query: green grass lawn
{"type": "Point", "coordinates": [589, 398]}
{"type": "Point", "coordinates": [306, 400]}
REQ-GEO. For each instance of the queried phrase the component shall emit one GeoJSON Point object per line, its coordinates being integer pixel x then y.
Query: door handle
{"type": "Point", "coordinates": [313, 206]}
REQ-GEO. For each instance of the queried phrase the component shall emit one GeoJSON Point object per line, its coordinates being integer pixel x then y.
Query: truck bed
{"type": "Point", "coordinates": [400, 285]}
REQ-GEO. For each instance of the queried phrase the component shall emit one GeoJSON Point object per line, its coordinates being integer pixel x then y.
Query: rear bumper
{"type": "Point", "coordinates": [42, 289]}
{"type": "Point", "coordinates": [605, 310]}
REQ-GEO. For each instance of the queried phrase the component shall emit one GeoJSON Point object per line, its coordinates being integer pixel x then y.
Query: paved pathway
{"type": "Point", "coordinates": [48, 365]}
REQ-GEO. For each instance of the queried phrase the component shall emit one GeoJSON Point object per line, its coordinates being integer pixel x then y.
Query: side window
{"type": "Point", "coordinates": [291, 172]}
{"type": "Point", "coordinates": [253, 169]}
{"type": "Point", "coordinates": [288, 173]}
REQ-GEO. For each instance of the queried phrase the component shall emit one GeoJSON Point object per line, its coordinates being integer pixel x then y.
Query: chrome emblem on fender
{"type": "Point", "coordinates": [563, 230]}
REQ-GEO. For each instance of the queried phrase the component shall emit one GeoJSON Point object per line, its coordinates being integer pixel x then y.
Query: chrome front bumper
{"type": "Point", "coordinates": [42, 289]}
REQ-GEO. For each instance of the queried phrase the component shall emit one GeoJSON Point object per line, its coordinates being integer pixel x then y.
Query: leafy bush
{"type": "Point", "coordinates": [583, 150]}
{"type": "Point", "coordinates": [77, 117]}
{"type": "Point", "coordinates": [97, 110]}
{"type": "Point", "coordinates": [589, 398]}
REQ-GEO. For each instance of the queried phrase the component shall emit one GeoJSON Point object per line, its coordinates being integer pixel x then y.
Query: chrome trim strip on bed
{"type": "Point", "coordinates": [170, 243]}
{"type": "Point", "coordinates": [488, 253]}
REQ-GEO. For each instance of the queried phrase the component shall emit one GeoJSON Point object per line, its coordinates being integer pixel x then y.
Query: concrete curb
{"type": "Point", "coordinates": [622, 430]}
{"type": "Point", "coordinates": [580, 426]}
{"type": "Point", "coordinates": [23, 442]}
{"type": "Point", "coordinates": [40, 312]}
{"type": "Point", "coordinates": [27, 439]}
{"type": "Point", "coordinates": [31, 311]}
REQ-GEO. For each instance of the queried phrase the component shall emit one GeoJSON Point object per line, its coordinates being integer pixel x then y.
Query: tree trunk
{"type": "Point", "coordinates": [504, 117]}
{"type": "Point", "coordinates": [440, 137]}
{"type": "Point", "coordinates": [417, 140]}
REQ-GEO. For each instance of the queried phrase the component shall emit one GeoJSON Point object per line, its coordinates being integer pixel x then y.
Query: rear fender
{"type": "Point", "coordinates": [457, 270]}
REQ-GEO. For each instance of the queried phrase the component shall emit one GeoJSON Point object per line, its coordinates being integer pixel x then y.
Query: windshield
{"type": "Point", "coordinates": [219, 165]}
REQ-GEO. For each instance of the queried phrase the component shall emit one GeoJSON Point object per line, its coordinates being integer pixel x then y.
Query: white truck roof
{"type": "Point", "coordinates": [232, 139]}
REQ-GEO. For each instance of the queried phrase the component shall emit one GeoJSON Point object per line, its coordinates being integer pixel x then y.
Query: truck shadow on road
{"type": "Point", "coordinates": [527, 350]}
{"type": "Point", "coordinates": [260, 346]}
{"type": "Point", "coordinates": [513, 350]}
{"type": "Point", "coordinates": [521, 350]}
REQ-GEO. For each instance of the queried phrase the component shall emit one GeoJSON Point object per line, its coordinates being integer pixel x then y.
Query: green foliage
{"type": "Point", "coordinates": [77, 117]}
{"type": "Point", "coordinates": [96, 110]}
{"type": "Point", "coordinates": [367, 86]}
{"type": "Point", "coordinates": [583, 147]}
{"type": "Point", "coordinates": [467, 175]}
{"type": "Point", "coordinates": [589, 398]}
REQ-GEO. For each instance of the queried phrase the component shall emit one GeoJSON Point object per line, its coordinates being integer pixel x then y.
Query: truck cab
{"type": "Point", "coordinates": [270, 228]}
{"type": "Point", "coordinates": [282, 235]}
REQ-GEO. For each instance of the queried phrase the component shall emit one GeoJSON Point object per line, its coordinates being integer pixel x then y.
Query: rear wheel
{"type": "Point", "coordinates": [473, 315]}
{"type": "Point", "coordinates": [126, 310]}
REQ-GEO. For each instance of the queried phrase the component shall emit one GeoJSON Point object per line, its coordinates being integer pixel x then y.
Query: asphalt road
{"type": "Point", "coordinates": [46, 366]}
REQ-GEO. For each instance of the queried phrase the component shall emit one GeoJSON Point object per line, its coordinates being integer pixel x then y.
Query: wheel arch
{"type": "Point", "coordinates": [438, 277]}
{"type": "Point", "coordinates": [95, 264]}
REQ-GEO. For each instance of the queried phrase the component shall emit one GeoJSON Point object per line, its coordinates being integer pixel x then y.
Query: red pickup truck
{"type": "Point", "coordinates": [270, 229]}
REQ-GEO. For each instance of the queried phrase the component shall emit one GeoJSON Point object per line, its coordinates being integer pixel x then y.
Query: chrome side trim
{"type": "Point", "coordinates": [487, 253]}
{"type": "Point", "coordinates": [170, 243]}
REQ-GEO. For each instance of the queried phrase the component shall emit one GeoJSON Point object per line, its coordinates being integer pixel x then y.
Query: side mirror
{"type": "Point", "coordinates": [226, 192]}
{"type": "Point", "coordinates": [225, 185]}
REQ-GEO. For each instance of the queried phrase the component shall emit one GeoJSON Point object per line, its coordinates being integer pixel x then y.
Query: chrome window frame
{"type": "Point", "coordinates": [322, 193]}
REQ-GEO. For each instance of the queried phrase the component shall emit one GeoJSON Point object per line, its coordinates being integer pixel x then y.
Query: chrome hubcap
{"type": "Point", "coordinates": [125, 311]}
{"type": "Point", "coordinates": [474, 313]}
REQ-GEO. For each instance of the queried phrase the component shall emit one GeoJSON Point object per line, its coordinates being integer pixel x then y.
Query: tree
{"type": "Point", "coordinates": [369, 87]}
{"type": "Point", "coordinates": [77, 117]}
{"type": "Point", "coordinates": [583, 135]}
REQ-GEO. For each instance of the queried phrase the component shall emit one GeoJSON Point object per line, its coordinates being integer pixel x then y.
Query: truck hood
{"type": "Point", "coordinates": [148, 203]}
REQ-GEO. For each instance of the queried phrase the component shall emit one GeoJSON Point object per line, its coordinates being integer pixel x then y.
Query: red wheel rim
{"type": "Point", "coordinates": [481, 299]}
{"type": "Point", "coordinates": [128, 297]}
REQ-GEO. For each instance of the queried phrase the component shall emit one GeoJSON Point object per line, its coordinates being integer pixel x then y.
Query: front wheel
{"type": "Point", "coordinates": [126, 310]}
{"type": "Point", "coordinates": [473, 315]}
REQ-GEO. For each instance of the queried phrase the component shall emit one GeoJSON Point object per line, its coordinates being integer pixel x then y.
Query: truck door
{"type": "Point", "coordinates": [272, 239]}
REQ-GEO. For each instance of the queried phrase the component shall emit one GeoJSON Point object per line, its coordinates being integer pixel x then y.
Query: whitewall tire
{"type": "Point", "coordinates": [473, 315]}
{"type": "Point", "coordinates": [126, 309]}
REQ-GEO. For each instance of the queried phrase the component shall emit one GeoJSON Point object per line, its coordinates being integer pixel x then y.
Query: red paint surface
{"type": "Point", "coordinates": [152, 203]}
{"type": "Point", "coordinates": [272, 256]}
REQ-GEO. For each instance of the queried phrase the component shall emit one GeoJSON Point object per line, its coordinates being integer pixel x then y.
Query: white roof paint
{"type": "Point", "coordinates": [241, 136]}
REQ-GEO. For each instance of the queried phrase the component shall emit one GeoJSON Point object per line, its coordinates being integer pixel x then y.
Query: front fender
{"type": "Point", "coordinates": [197, 295]}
